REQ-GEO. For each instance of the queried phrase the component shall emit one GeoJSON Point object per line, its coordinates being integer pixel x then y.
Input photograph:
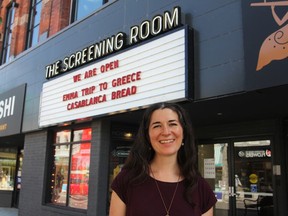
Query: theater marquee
{"type": "Point", "coordinates": [153, 72]}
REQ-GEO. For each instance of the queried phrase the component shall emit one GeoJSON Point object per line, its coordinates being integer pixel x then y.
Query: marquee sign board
{"type": "Point", "coordinates": [155, 71]}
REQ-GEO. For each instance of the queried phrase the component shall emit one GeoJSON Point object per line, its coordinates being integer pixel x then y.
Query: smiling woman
{"type": "Point", "coordinates": [160, 175]}
{"type": "Point", "coordinates": [165, 132]}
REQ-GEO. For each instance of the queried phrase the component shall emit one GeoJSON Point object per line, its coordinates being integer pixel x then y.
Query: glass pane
{"type": "Point", "coordinates": [7, 168]}
{"type": "Point", "coordinates": [35, 34]}
{"type": "Point", "coordinates": [11, 16]}
{"type": "Point", "coordinates": [253, 176]}
{"type": "Point", "coordinates": [37, 14]}
{"type": "Point", "coordinates": [7, 52]}
{"type": "Point", "coordinates": [60, 175]}
{"type": "Point", "coordinates": [35, 18]}
{"type": "Point", "coordinates": [63, 136]}
{"type": "Point", "coordinates": [79, 176]}
{"type": "Point", "coordinates": [213, 165]}
{"type": "Point", "coordinates": [85, 7]}
{"type": "Point", "coordinates": [8, 35]}
{"type": "Point", "coordinates": [84, 134]}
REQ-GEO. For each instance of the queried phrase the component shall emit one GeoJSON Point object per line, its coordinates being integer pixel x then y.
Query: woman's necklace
{"type": "Point", "coordinates": [166, 209]}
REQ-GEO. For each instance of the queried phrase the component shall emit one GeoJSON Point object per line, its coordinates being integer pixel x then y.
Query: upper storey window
{"type": "Point", "coordinates": [34, 23]}
{"type": "Point", "coordinates": [6, 51]}
{"type": "Point", "coordinates": [82, 8]}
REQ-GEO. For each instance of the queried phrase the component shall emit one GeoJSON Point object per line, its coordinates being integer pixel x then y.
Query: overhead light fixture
{"type": "Point", "coordinates": [128, 135]}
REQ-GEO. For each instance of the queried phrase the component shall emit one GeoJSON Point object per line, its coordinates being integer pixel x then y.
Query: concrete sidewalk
{"type": "Point", "coordinates": [8, 211]}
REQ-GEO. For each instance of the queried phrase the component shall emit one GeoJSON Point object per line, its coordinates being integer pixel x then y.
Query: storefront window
{"type": "Point", "coordinates": [70, 175]}
{"type": "Point", "coordinates": [8, 158]}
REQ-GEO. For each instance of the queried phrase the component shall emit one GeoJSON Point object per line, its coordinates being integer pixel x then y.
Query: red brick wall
{"type": "Point", "coordinates": [60, 14]}
{"type": "Point", "coordinates": [54, 17]}
{"type": "Point", "coordinates": [3, 13]}
{"type": "Point", "coordinates": [20, 27]}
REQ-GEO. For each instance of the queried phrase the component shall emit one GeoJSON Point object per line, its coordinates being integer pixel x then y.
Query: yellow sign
{"type": "Point", "coordinates": [253, 178]}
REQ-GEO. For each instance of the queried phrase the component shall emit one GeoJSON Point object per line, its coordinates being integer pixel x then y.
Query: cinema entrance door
{"type": "Point", "coordinates": [240, 173]}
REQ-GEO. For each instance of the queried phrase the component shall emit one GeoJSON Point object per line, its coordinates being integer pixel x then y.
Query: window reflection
{"type": "Point", "coordinates": [60, 175]}
{"type": "Point", "coordinates": [63, 136]}
{"type": "Point", "coordinates": [253, 167]}
{"type": "Point", "coordinates": [79, 176]}
{"type": "Point", "coordinates": [35, 16]}
{"type": "Point", "coordinates": [70, 175]}
{"type": "Point", "coordinates": [85, 7]}
{"type": "Point", "coordinates": [6, 56]}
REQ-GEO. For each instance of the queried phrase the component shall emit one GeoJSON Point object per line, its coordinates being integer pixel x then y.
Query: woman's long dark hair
{"type": "Point", "coordinates": [142, 153]}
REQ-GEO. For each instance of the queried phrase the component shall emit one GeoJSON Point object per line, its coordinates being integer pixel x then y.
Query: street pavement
{"type": "Point", "coordinates": [8, 211]}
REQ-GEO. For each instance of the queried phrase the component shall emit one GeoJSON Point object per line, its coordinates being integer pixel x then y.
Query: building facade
{"type": "Point", "coordinates": [76, 76]}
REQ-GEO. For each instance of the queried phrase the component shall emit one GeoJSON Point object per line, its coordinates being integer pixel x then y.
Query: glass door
{"type": "Point", "coordinates": [213, 165]}
{"type": "Point", "coordinates": [240, 174]}
{"type": "Point", "coordinates": [253, 177]}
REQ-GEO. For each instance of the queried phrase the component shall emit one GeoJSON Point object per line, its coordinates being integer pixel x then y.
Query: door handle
{"type": "Point", "coordinates": [231, 192]}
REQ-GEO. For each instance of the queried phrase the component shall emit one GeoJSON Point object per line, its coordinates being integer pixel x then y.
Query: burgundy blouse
{"type": "Point", "coordinates": [144, 199]}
